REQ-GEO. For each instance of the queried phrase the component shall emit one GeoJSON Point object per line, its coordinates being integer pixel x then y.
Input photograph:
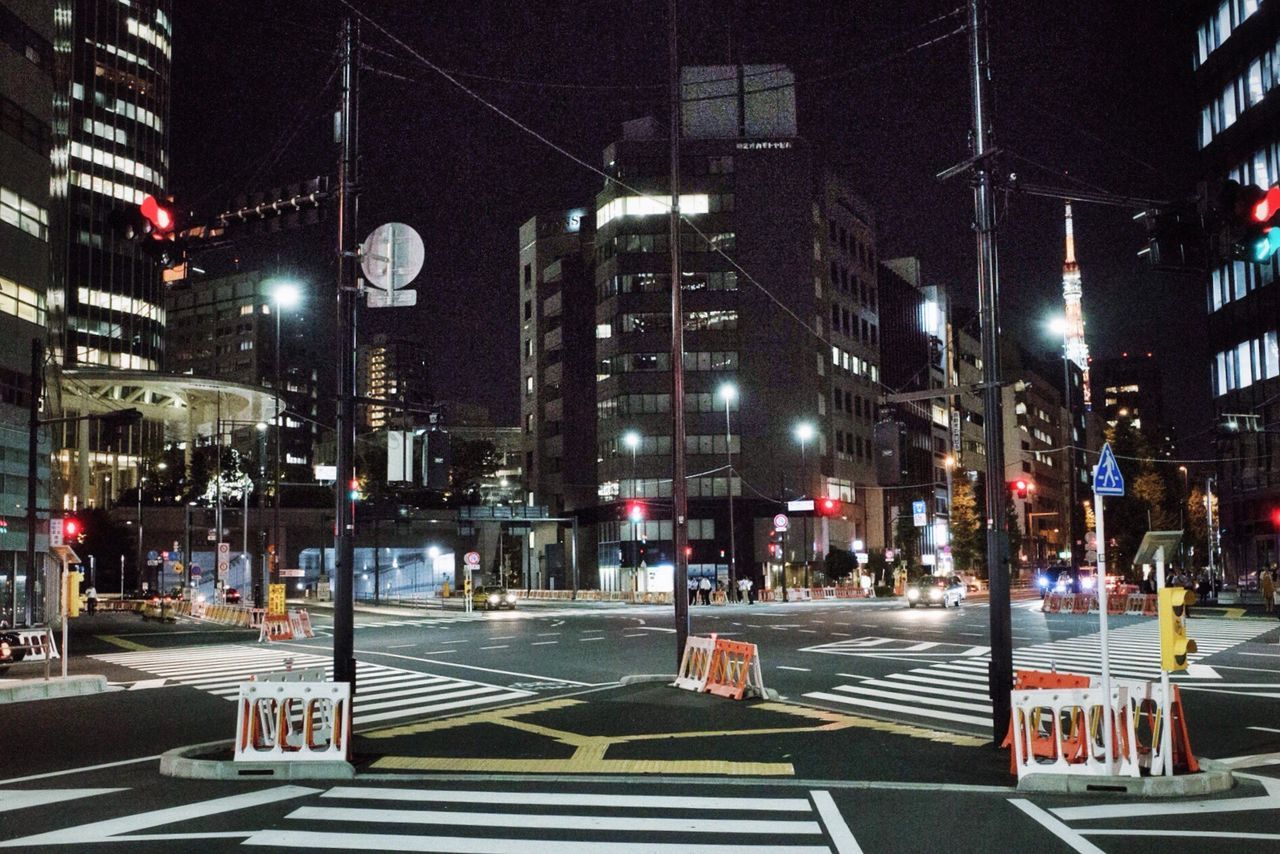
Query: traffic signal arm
{"type": "Point", "coordinates": [1175, 646]}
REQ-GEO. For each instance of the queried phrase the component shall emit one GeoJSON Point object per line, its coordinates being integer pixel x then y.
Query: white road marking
{"type": "Point", "coordinates": [657, 629]}
{"type": "Point", "coordinates": [84, 769]}
{"type": "Point", "coordinates": [785, 667]}
{"type": "Point", "coordinates": [838, 830]}
{"type": "Point", "coordinates": [572, 799]}
{"type": "Point", "coordinates": [16, 799]}
{"type": "Point", "coordinates": [500, 646]}
{"type": "Point", "coordinates": [1068, 836]}
{"type": "Point", "coordinates": [543, 643]}
{"type": "Point", "coordinates": [586, 640]}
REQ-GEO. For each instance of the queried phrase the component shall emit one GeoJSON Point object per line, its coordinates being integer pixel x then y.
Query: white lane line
{"type": "Point", "coordinates": [543, 643]}
{"type": "Point", "coordinates": [837, 829]}
{"type": "Point", "coordinates": [435, 652]}
{"type": "Point", "coordinates": [1069, 837]}
{"type": "Point", "coordinates": [85, 769]}
{"type": "Point", "coordinates": [1198, 834]}
{"type": "Point", "coordinates": [688, 824]}
{"type": "Point", "coordinates": [572, 799]}
{"type": "Point", "coordinates": [552, 634]}
{"type": "Point", "coordinates": [655, 629]}
{"type": "Point", "coordinates": [503, 637]}
{"type": "Point", "coordinates": [785, 667]}
{"type": "Point", "coordinates": [1263, 729]}
{"type": "Point", "coordinates": [842, 634]}
{"type": "Point", "coordinates": [637, 636]}
{"type": "Point", "coordinates": [587, 640]}
{"type": "Point", "coordinates": [469, 666]}
{"type": "Point", "coordinates": [314, 840]}
{"type": "Point", "coordinates": [455, 641]}
{"type": "Point", "coordinates": [39, 797]}
{"type": "Point", "coordinates": [499, 646]}
{"type": "Point", "coordinates": [401, 645]}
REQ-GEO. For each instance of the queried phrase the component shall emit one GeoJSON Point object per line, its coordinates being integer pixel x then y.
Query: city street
{"type": "Point", "coordinates": [903, 764]}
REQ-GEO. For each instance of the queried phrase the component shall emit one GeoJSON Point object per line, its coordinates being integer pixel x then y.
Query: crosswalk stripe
{"type": "Point", "coordinates": [573, 799]}
{"type": "Point", "coordinates": [958, 687]}
{"type": "Point", "coordinates": [384, 693]}
{"type": "Point", "coordinates": [495, 845]}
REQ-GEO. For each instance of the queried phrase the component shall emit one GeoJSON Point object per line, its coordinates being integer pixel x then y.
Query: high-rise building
{"type": "Point", "coordinates": [1237, 86]}
{"type": "Point", "coordinates": [393, 369]}
{"type": "Point", "coordinates": [1077, 348]}
{"type": "Point", "coordinates": [110, 150]}
{"type": "Point", "coordinates": [780, 304]}
{"type": "Point", "coordinates": [26, 104]}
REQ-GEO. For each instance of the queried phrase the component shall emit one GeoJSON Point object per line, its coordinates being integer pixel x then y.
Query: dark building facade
{"type": "Point", "coordinates": [395, 369]}
{"type": "Point", "coordinates": [110, 150]}
{"type": "Point", "coordinates": [1236, 54]}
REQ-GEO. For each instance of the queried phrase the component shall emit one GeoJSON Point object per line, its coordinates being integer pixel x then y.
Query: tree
{"type": "Point", "coordinates": [967, 541]}
{"type": "Point", "coordinates": [1198, 523]}
{"type": "Point", "coordinates": [839, 564]}
{"type": "Point", "coordinates": [474, 462]}
{"type": "Point", "coordinates": [1149, 489]}
{"type": "Point", "coordinates": [1014, 528]}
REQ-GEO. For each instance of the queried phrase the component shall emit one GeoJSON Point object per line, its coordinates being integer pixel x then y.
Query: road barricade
{"type": "Point", "coordinates": [37, 644]}
{"type": "Point", "coordinates": [282, 719]}
{"type": "Point", "coordinates": [1117, 604]}
{"type": "Point", "coordinates": [300, 624]}
{"type": "Point", "coordinates": [1085, 602]}
{"type": "Point", "coordinates": [1146, 702]}
{"type": "Point", "coordinates": [735, 670]}
{"type": "Point", "coordinates": [695, 665]}
{"type": "Point", "coordinates": [1059, 731]}
{"type": "Point", "coordinates": [1052, 603]}
{"type": "Point", "coordinates": [276, 627]}
{"type": "Point", "coordinates": [1149, 606]}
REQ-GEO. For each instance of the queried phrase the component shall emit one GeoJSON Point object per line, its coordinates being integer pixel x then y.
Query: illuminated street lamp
{"type": "Point", "coordinates": [632, 440]}
{"type": "Point", "coordinates": [728, 392]}
{"type": "Point", "coordinates": [804, 433]}
{"type": "Point", "coordinates": [286, 295]}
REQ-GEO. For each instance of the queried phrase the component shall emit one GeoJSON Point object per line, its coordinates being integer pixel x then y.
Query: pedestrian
{"type": "Point", "coordinates": [1267, 584]}
{"type": "Point", "coordinates": [693, 591]}
{"type": "Point", "coordinates": [742, 589]}
{"type": "Point", "coordinates": [751, 592]}
{"type": "Point", "coordinates": [705, 587]}
{"type": "Point", "coordinates": [92, 595]}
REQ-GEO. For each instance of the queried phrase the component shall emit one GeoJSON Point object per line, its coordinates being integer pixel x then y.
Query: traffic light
{"type": "Point", "coordinates": [635, 511]}
{"type": "Point", "coordinates": [71, 529]}
{"type": "Point", "coordinates": [160, 217]}
{"type": "Point", "coordinates": [827, 507]}
{"type": "Point", "coordinates": [1022, 488]}
{"type": "Point", "coordinates": [775, 545]}
{"type": "Point", "coordinates": [1275, 518]}
{"type": "Point", "coordinates": [1175, 646]}
{"type": "Point", "coordinates": [353, 489]}
{"type": "Point", "coordinates": [1252, 218]}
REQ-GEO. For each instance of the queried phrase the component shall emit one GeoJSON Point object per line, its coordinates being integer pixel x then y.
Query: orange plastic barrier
{"type": "Point", "coordinates": [276, 628]}
{"type": "Point", "coordinates": [1042, 743]}
{"type": "Point", "coordinates": [1117, 604]}
{"type": "Point", "coordinates": [735, 668]}
{"type": "Point", "coordinates": [1149, 607]}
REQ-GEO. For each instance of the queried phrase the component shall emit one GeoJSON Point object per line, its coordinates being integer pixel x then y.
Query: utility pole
{"type": "Point", "coordinates": [344, 664]}
{"type": "Point", "coordinates": [679, 487]}
{"type": "Point", "coordinates": [1000, 678]}
{"type": "Point", "coordinates": [33, 476]}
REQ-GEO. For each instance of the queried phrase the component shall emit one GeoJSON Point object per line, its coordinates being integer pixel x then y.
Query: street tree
{"type": "Point", "coordinates": [967, 541]}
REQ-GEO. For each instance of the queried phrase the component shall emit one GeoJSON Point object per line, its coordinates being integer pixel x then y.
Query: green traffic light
{"type": "Point", "coordinates": [1267, 245]}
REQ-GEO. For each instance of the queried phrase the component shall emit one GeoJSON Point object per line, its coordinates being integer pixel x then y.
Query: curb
{"type": "Point", "coordinates": [52, 689]}
{"type": "Point", "coordinates": [1212, 779]}
{"type": "Point", "coordinates": [668, 678]}
{"type": "Point", "coordinates": [182, 762]}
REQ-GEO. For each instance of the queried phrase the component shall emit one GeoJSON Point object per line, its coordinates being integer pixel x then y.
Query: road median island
{"type": "Point", "coordinates": [649, 728]}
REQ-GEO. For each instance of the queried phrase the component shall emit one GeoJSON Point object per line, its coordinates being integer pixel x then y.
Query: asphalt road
{"type": "Point", "coordinates": [875, 660]}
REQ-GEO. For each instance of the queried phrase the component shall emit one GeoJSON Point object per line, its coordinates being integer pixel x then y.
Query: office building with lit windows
{"type": "Point", "coordinates": [26, 103]}
{"type": "Point", "coordinates": [1236, 55]}
{"type": "Point", "coordinates": [394, 369]}
{"type": "Point", "coordinates": [780, 304]}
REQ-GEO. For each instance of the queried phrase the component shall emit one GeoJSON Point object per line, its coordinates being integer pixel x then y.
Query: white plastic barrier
{"type": "Point", "coordinates": [695, 666]}
{"type": "Point", "coordinates": [1059, 731]}
{"type": "Point", "coordinates": [38, 643]}
{"type": "Point", "coordinates": [281, 720]}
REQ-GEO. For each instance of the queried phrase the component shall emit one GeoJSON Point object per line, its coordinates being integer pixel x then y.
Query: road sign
{"type": "Point", "coordinates": [781, 522]}
{"type": "Point", "coordinates": [293, 573]}
{"type": "Point", "coordinates": [224, 557]}
{"type": "Point", "coordinates": [390, 299]}
{"type": "Point", "coordinates": [1107, 479]}
{"type": "Point", "coordinates": [153, 555]}
{"type": "Point", "coordinates": [919, 513]}
{"type": "Point", "coordinates": [275, 599]}
{"type": "Point", "coordinates": [195, 569]}
{"type": "Point", "coordinates": [471, 558]}
{"type": "Point", "coordinates": [392, 256]}
{"type": "Point", "coordinates": [55, 532]}
{"type": "Point", "coordinates": [178, 567]}
{"type": "Point", "coordinates": [888, 554]}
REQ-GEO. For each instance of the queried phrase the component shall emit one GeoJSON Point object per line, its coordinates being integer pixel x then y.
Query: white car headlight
{"type": "Point", "coordinates": [913, 593]}
{"type": "Point", "coordinates": [1086, 583]}
{"type": "Point", "coordinates": [493, 598]}
{"type": "Point", "coordinates": [935, 593]}
{"type": "Point", "coordinates": [511, 597]}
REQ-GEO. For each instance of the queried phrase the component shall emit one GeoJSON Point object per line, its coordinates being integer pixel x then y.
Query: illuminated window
{"type": "Point", "coordinates": [636, 206]}
{"type": "Point", "coordinates": [23, 214]}
{"type": "Point", "coordinates": [21, 301]}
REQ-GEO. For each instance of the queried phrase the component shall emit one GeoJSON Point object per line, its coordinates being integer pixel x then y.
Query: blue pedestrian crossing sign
{"type": "Point", "coordinates": [1107, 479]}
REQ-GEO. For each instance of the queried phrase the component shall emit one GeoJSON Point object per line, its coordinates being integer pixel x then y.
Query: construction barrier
{"type": "Point", "coordinates": [735, 670]}
{"type": "Point", "coordinates": [300, 623]}
{"type": "Point", "coordinates": [39, 644]}
{"type": "Point", "coordinates": [1059, 731]}
{"type": "Point", "coordinates": [695, 665]}
{"type": "Point", "coordinates": [1117, 604]}
{"type": "Point", "coordinates": [276, 627]}
{"type": "Point", "coordinates": [296, 721]}
{"type": "Point", "coordinates": [1146, 709]}
{"type": "Point", "coordinates": [1149, 606]}
{"type": "Point", "coordinates": [256, 616]}
{"type": "Point", "coordinates": [1052, 603]}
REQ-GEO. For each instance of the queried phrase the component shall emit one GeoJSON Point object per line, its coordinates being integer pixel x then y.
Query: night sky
{"type": "Point", "coordinates": [1092, 94]}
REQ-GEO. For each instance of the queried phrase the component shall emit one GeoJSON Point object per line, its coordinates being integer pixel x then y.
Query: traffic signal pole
{"type": "Point", "coordinates": [33, 473]}
{"type": "Point", "coordinates": [679, 487]}
{"type": "Point", "coordinates": [344, 664]}
{"type": "Point", "coordinates": [1000, 677]}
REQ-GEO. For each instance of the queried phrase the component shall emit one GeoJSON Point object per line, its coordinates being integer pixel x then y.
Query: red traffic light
{"type": "Point", "coordinates": [70, 527]}
{"type": "Point", "coordinates": [160, 217]}
{"type": "Point", "coordinates": [1267, 206]}
{"type": "Point", "coordinates": [828, 507]}
{"type": "Point", "coordinates": [1275, 517]}
{"type": "Point", "coordinates": [635, 511]}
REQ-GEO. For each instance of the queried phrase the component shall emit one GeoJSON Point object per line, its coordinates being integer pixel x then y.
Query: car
{"type": "Point", "coordinates": [964, 585]}
{"type": "Point", "coordinates": [232, 596]}
{"type": "Point", "coordinates": [935, 590]}
{"type": "Point", "coordinates": [493, 596]}
{"type": "Point", "coordinates": [1063, 578]}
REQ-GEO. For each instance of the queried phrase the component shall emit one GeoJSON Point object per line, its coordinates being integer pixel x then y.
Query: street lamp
{"type": "Point", "coordinates": [728, 392]}
{"type": "Point", "coordinates": [286, 295]}
{"type": "Point", "coordinates": [804, 433]}
{"type": "Point", "coordinates": [632, 440]}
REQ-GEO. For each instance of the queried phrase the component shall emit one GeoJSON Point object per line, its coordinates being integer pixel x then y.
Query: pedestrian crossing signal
{"type": "Point", "coordinates": [1175, 646]}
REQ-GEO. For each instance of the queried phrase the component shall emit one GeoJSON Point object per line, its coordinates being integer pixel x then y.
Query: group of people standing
{"type": "Point", "coordinates": [700, 590]}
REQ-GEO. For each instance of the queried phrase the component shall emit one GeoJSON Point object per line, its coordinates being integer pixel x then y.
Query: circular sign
{"type": "Point", "coordinates": [781, 522]}
{"type": "Point", "coordinates": [195, 569]}
{"type": "Point", "coordinates": [391, 257]}
{"type": "Point", "coordinates": [471, 558]}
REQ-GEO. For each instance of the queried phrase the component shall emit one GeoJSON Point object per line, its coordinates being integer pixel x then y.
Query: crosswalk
{"type": "Point", "coordinates": [559, 822]}
{"type": "Point", "coordinates": [385, 693]}
{"type": "Point", "coordinates": [527, 817]}
{"type": "Point", "coordinates": [955, 691]}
